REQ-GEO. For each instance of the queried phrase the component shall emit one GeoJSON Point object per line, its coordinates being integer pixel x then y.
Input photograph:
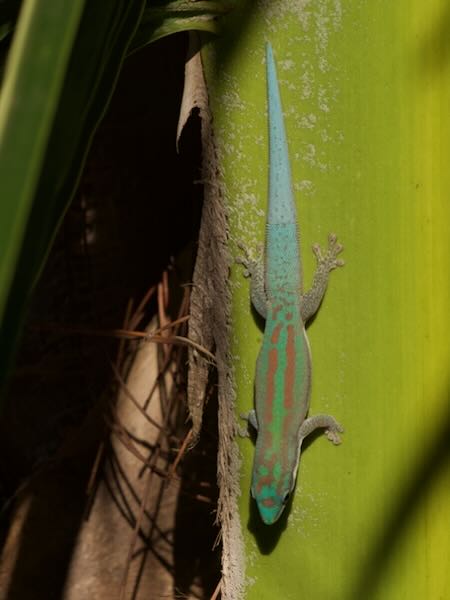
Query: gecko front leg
{"type": "Point", "coordinates": [326, 262]}
{"type": "Point", "coordinates": [255, 270]}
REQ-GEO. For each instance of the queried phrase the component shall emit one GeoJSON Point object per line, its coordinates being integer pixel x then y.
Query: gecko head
{"type": "Point", "coordinates": [271, 498]}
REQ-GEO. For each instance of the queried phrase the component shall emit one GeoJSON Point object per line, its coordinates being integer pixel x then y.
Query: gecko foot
{"type": "Point", "coordinates": [329, 424]}
{"type": "Point", "coordinates": [249, 263]}
{"type": "Point", "coordinates": [333, 431]}
{"type": "Point", "coordinates": [250, 417]}
{"type": "Point", "coordinates": [246, 260]}
{"type": "Point", "coordinates": [243, 432]}
{"type": "Point", "coordinates": [329, 261]}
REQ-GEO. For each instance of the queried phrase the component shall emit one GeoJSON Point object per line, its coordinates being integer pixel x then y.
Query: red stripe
{"type": "Point", "coordinates": [266, 479]}
{"type": "Point", "coordinates": [289, 378]}
{"type": "Point", "coordinates": [270, 392]}
{"type": "Point", "coordinates": [275, 311]}
{"type": "Point", "coordinates": [276, 334]}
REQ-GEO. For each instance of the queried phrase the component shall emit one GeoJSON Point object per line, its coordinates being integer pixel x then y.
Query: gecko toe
{"type": "Point", "coordinates": [332, 238]}
{"type": "Point", "coordinates": [334, 437]}
{"type": "Point", "coordinates": [317, 250]}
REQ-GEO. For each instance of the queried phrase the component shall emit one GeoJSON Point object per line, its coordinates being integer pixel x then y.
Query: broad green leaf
{"type": "Point", "coordinates": [366, 94]}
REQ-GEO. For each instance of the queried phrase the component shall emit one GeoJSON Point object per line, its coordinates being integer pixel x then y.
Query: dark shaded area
{"type": "Point", "coordinates": [408, 504]}
{"type": "Point", "coordinates": [137, 206]}
{"type": "Point", "coordinates": [196, 533]}
{"type": "Point", "coordinates": [434, 53]}
{"type": "Point", "coordinates": [267, 536]}
{"type": "Point", "coordinates": [9, 11]}
{"type": "Point", "coordinates": [50, 531]}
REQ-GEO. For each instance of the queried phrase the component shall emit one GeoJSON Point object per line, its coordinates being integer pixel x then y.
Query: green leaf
{"type": "Point", "coordinates": [28, 103]}
{"type": "Point", "coordinates": [365, 88]}
{"type": "Point", "coordinates": [61, 72]}
{"type": "Point", "coordinates": [160, 20]}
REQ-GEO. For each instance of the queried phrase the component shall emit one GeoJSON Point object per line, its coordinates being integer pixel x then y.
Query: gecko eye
{"type": "Point", "coordinates": [285, 499]}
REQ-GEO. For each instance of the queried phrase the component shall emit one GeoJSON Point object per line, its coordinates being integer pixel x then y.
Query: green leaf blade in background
{"type": "Point", "coordinates": [365, 89]}
{"type": "Point", "coordinates": [28, 102]}
{"type": "Point", "coordinates": [181, 15]}
{"type": "Point", "coordinates": [89, 76]}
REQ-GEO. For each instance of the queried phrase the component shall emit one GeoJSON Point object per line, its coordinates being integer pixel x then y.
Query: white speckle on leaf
{"type": "Point", "coordinates": [305, 186]}
{"type": "Point", "coordinates": [307, 121]}
{"type": "Point", "coordinates": [325, 136]}
{"type": "Point", "coordinates": [307, 86]}
{"type": "Point", "coordinates": [323, 100]}
{"type": "Point", "coordinates": [287, 64]}
{"type": "Point", "coordinates": [309, 154]}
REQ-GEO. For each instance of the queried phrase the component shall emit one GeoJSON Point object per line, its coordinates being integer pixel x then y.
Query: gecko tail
{"type": "Point", "coordinates": [281, 208]}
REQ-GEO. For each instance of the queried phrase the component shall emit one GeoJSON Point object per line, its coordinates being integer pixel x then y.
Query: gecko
{"type": "Point", "coordinates": [283, 368]}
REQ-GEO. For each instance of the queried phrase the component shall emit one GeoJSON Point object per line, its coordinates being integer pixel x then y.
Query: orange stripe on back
{"type": "Point", "coordinates": [270, 391]}
{"type": "Point", "coordinates": [276, 334]}
{"type": "Point", "coordinates": [290, 369]}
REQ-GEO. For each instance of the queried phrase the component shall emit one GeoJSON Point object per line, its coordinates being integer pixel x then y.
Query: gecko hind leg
{"type": "Point", "coordinates": [331, 426]}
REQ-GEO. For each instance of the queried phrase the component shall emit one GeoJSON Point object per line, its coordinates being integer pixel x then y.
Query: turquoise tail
{"type": "Point", "coordinates": [281, 208]}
